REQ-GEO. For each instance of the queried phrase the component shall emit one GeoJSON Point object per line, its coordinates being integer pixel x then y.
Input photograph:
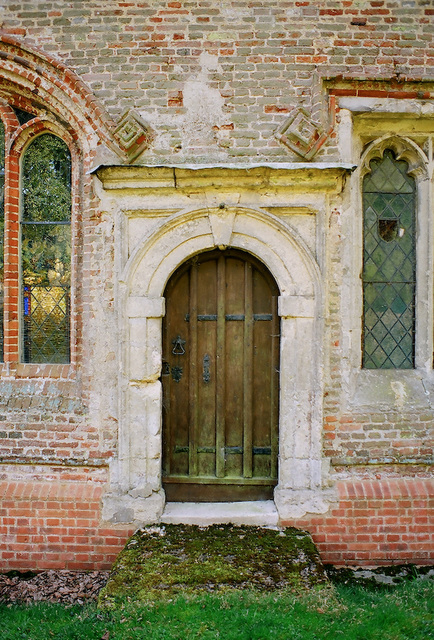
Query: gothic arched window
{"type": "Point", "coordinates": [46, 250]}
{"type": "Point", "coordinates": [35, 223]}
{"type": "Point", "coordinates": [389, 265]}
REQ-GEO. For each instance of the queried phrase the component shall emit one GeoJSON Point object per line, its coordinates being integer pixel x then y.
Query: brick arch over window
{"type": "Point", "coordinates": [282, 251]}
{"type": "Point", "coordinates": [29, 76]}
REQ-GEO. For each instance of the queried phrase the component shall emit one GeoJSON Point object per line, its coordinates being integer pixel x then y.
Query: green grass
{"type": "Point", "coordinates": [405, 612]}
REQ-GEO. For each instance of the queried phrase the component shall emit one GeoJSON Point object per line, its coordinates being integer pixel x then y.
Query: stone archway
{"type": "Point", "coordinates": [149, 268]}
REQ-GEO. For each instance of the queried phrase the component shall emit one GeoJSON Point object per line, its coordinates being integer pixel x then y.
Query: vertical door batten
{"type": "Point", "coordinates": [248, 373]}
{"type": "Point", "coordinates": [220, 368]}
{"type": "Point", "coordinates": [193, 405]}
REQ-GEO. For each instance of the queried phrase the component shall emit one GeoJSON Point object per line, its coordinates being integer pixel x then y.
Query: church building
{"type": "Point", "coordinates": [216, 274]}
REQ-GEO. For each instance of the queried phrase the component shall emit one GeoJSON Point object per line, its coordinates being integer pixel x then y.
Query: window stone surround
{"type": "Point", "coordinates": [368, 127]}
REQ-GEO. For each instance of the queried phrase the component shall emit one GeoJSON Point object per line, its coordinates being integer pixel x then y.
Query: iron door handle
{"type": "Point", "coordinates": [178, 346]}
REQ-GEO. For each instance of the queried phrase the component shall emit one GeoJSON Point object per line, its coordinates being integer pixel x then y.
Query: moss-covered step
{"type": "Point", "coordinates": [174, 558]}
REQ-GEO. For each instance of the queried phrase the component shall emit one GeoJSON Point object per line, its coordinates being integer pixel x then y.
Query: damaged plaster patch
{"type": "Point", "coordinates": [398, 389]}
{"type": "Point", "coordinates": [204, 104]}
{"type": "Point", "coordinates": [202, 114]}
{"type": "Point", "coordinates": [379, 389]}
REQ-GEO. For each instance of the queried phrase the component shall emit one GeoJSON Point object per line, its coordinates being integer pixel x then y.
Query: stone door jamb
{"type": "Point", "coordinates": [136, 494]}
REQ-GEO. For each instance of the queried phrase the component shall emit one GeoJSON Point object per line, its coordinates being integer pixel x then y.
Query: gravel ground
{"type": "Point", "coordinates": [71, 587]}
{"type": "Point", "coordinates": [78, 587]}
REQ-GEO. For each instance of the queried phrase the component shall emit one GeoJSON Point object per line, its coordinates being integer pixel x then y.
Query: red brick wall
{"type": "Point", "coordinates": [55, 522]}
{"type": "Point", "coordinates": [376, 521]}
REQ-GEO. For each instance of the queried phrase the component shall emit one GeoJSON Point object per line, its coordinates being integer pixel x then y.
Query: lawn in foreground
{"type": "Point", "coordinates": [405, 612]}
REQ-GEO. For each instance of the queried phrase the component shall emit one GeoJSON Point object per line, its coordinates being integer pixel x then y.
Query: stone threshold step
{"type": "Point", "coordinates": [261, 513]}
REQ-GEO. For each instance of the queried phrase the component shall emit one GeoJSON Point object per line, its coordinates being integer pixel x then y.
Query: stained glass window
{"type": "Point", "coordinates": [2, 225]}
{"type": "Point", "coordinates": [389, 265]}
{"type": "Point", "coordinates": [46, 250]}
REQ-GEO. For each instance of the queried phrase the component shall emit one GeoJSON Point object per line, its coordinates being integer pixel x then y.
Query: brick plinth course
{"type": "Point", "coordinates": [53, 520]}
{"type": "Point", "coordinates": [52, 523]}
{"type": "Point", "coordinates": [376, 521]}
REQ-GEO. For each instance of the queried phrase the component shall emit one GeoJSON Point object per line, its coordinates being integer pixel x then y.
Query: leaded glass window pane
{"type": "Point", "coordinates": [46, 251]}
{"type": "Point", "coordinates": [2, 230]}
{"type": "Point", "coordinates": [389, 265]}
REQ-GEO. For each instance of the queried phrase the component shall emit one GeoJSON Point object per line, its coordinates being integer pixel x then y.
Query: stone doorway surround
{"type": "Point", "coordinates": [162, 217]}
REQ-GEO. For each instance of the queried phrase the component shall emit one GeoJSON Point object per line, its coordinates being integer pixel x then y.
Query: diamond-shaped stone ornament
{"type": "Point", "coordinates": [301, 134]}
{"type": "Point", "coordinates": [133, 134]}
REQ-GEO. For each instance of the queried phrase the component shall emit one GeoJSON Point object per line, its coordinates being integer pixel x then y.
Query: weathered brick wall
{"type": "Point", "coordinates": [251, 62]}
{"type": "Point", "coordinates": [51, 413]}
{"type": "Point", "coordinates": [368, 435]}
{"type": "Point", "coordinates": [379, 438]}
{"type": "Point", "coordinates": [50, 517]}
{"type": "Point", "coordinates": [379, 519]}
{"type": "Point", "coordinates": [45, 421]}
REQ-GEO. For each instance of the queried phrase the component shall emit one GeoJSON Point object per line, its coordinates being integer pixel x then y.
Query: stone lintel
{"type": "Point", "coordinates": [306, 176]}
{"type": "Point", "coordinates": [400, 106]}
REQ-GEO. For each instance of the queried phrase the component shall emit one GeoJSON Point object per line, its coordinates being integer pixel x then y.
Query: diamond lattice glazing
{"type": "Point", "coordinates": [389, 265]}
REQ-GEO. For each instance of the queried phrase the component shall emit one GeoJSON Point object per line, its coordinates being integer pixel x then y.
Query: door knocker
{"type": "Point", "coordinates": [178, 346]}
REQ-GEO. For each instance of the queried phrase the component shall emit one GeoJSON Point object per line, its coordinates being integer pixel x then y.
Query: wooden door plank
{"type": "Point", "coordinates": [248, 372]}
{"type": "Point", "coordinates": [175, 399]}
{"type": "Point", "coordinates": [206, 345]}
{"type": "Point", "coordinates": [261, 366]}
{"type": "Point", "coordinates": [220, 368]}
{"type": "Point", "coordinates": [274, 404]}
{"type": "Point", "coordinates": [167, 413]}
{"type": "Point", "coordinates": [180, 390]}
{"type": "Point", "coordinates": [193, 390]}
{"type": "Point", "coordinates": [234, 378]}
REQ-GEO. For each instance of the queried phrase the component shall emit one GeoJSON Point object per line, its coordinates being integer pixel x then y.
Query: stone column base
{"type": "Point", "coordinates": [296, 503]}
{"type": "Point", "coordinates": [136, 509]}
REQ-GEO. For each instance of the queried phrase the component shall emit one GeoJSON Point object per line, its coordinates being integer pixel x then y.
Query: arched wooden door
{"type": "Point", "coordinates": [220, 380]}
